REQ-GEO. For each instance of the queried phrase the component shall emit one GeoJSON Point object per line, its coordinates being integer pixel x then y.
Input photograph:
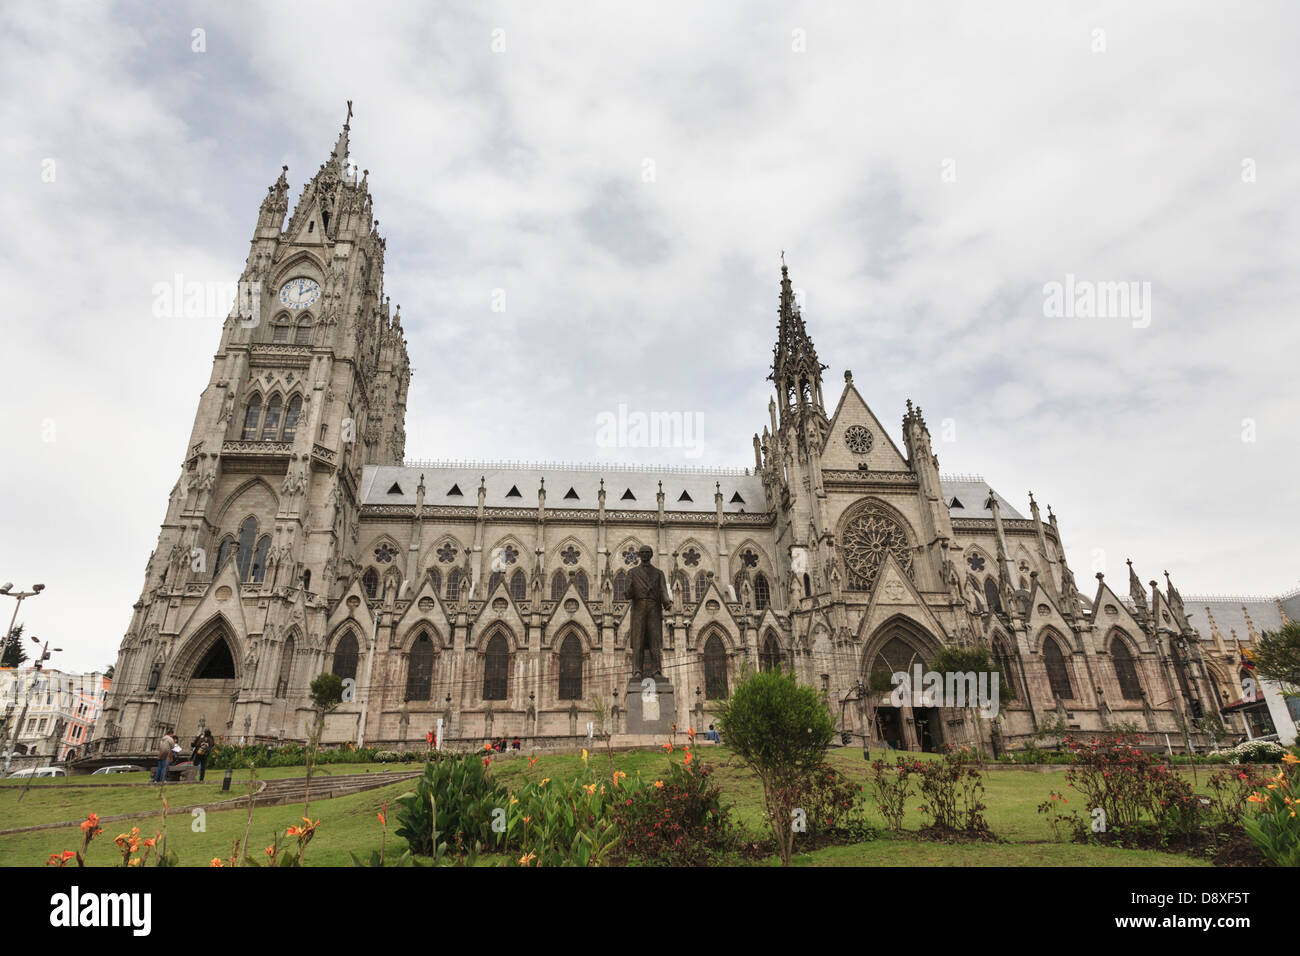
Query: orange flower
{"type": "Point", "coordinates": [527, 859]}
{"type": "Point", "coordinates": [1290, 758]}
{"type": "Point", "coordinates": [668, 748]}
{"type": "Point", "coordinates": [215, 862]}
{"type": "Point", "coordinates": [531, 761]}
{"type": "Point", "coordinates": [659, 784]}
{"type": "Point", "coordinates": [689, 757]}
{"type": "Point", "coordinates": [382, 821]}
{"type": "Point", "coordinates": [1256, 798]}
{"type": "Point", "coordinates": [91, 823]}
{"type": "Point", "coordinates": [487, 761]}
{"type": "Point", "coordinates": [270, 850]}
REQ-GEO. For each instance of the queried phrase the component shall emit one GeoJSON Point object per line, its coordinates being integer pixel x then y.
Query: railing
{"type": "Point", "coordinates": [575, 466]}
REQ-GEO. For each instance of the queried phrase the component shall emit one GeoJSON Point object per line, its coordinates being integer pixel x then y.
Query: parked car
{"type": "Point", "coordinates": [39, 772]}
{"type": "Point", "coordinates": [119, 768]}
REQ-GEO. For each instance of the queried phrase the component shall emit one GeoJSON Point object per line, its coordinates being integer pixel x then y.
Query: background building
{"type": "Point", "coordinates": [62, 710]}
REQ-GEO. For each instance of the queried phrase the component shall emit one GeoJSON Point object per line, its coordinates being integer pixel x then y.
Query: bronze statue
{"type": "Point", "coordinates": [648, 589]}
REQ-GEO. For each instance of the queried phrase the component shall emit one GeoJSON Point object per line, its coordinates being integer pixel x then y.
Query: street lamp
{"type": "Point", "coordinates": [8, 590]}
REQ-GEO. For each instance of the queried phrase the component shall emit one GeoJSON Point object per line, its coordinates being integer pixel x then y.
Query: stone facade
{"type": "Point", "coordinates": [296, 540]}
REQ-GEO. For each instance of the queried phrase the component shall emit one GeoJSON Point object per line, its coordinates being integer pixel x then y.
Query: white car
{"type": "Point", "coordinates": [119, 768]}
{"type": "Point", "coordinates": [39, 772]}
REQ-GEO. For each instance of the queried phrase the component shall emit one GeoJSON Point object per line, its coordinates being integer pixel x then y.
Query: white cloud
{"type": "Point", "coordinates": [523, 170]}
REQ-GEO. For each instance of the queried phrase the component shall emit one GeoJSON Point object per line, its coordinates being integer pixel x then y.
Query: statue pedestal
{"type": "Point", "coordinates": [650, 711]}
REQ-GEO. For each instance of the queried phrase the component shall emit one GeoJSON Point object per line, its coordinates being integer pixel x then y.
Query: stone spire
{"type": "Point", "coordinates": [796, 370]}
{"type": "Point", "coordinates": [1135, 589]}
{"type": "Point", "coordinates": [339, 157]}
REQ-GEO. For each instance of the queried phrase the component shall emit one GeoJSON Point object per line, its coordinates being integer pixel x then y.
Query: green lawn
{"type": "Point", "coordinates": [350, 823]}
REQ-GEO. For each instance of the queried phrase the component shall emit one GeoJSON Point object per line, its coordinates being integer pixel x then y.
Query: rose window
{"type": "Point", "coordinates": [629, 556]}
{"type": "Point", "coordinates": [749, 558]}
{"type": "Point", "coordinates": [691, 557]}
{"type": "Point", "coordinates": [385, 553]}
{"type": "Point", "coordinates": [865, 542]}
{"type": "Point", "coordinates": [975, 561]}
{"type": "Point", "coordinates": [859, 439]}
{"type": "Point", "coordinates": [569, 555]}
{"type": "Point", "coordinates": [446, 554]}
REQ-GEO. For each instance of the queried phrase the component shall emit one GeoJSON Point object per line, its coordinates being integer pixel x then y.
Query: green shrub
{"type": "Point", "coordinates": [679, 820]}
{"type": "Point", "coordinates": [465, 796]}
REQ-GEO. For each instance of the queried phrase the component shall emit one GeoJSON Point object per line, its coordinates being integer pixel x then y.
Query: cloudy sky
{"type": "Point", "coordinates": [627, 176]}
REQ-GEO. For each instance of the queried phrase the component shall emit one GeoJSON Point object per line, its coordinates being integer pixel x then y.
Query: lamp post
{"type": "Point", "coordinates": [8, 590]}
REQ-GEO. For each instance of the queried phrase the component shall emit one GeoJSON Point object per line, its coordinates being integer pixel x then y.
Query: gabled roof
{"type": "Point", "coordinates": [972, 491]}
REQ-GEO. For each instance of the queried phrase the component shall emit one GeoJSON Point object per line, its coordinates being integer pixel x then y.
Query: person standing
{"type": "Point", "coordinates": [164, 757]}
{"type": "Point", "coordinates": [202, 752]}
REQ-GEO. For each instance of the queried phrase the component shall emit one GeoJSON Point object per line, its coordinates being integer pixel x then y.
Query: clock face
{"type": "Point", "coordinates": [299, 293]}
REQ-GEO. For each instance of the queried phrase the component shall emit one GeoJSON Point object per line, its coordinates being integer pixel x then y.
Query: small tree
{"type": "Point", "coordinates": [326, 695]}
{"type": "Point", "coordinates": [1277, 657]}
{"type": "Point", "coordinates": [781, 730]}
{"type": "Point", "coordinates": [13, 654]}
{"type": "Point", "coordinates": [603, 719]}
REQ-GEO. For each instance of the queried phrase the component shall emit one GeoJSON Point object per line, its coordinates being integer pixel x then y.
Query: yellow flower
{"type": "Point", "coordinates": [527, 859]}
{"type": "Point", "coordinates": [584, 754]}
{"type": "Point", "coordinates": [514, 800]}
{"type": "Point", "coordinates": [1256, 798]}
{"type": "Point", "coordinates": [545, 781]}
{"type": "Point", "coordinates": [590, 788]}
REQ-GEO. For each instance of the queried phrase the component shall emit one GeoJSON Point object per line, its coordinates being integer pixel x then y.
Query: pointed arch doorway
{"type": "Point", "coordinates": [211, 683]}
{"type": "Point", "coordinates": [909, 727]}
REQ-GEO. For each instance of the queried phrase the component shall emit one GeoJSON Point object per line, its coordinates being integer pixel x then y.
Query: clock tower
{"type": "Point", "coordinates": [308, 385]}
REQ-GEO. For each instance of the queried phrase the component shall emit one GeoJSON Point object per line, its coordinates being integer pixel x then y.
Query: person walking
{"type": "Point", "coordinates": [202, 752]}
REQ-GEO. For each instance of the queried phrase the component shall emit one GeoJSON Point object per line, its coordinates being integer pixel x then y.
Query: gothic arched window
{"type": "Point", "coordinates": [302, 334]}
{"type": "Point", "coordinates": [715, 669]}
{"type": "Point", "coordinates": [682, 582]}
{"type": "Point", "coordinates": [519, 586]}
{"type": "Point", "coordinates": [370, 583]}
{"type": "Point", "coordinates": [580, 581]}
{"type": "Point", "coordinates": [419, 669]}
{"type": "Point", "coordinates": [286, 669]}
{"type": "Point", "coordinates": [259, 559]}
{"type": "Point", "coordinates": [495, 578]}
{"type": "Point", "coordinates": [280, 331]}
{"type": "Point", "coordinates": [1002, 658]}
{"type": "Point", "coordinates": [496, 668]}
{"type": "Point", "coordinates": [435, 578]}
{"type": "Point", "coordinates": [991, 596]}
{"type": "Point", "coordinates": [866, 540]}
{"type": "Point", "coordinates": [252, 417]}
{"type": "Point", "coordinates": [291, 415]}
{"type": "Point", "coordinates": [1125, 669]}
{"type": "Point", "coordinates": [271, 424]}
{"type": "Point", "coordinates": [762, 592]}
{"type": "Point", "coordinates": [453, 585]}
{"type": "Point", "coordinates": [559, 582]}
{"type": "Point", "coordinates": [701, 585]}
{"type": "Point", "coordinates": [571, 668]}
{"type": "Point", "coordinates": [247, 541]}
{"type": "Point", "coordinates": [224, 551]}
{"type": "Point", "coordinates": [1058, 672]}
{"type": "Point", "coordinates": [769, 658]}
{"type": "Point", "coordinates": [345, 657]}
{"type": "Point", "coordinates": [620, 586]}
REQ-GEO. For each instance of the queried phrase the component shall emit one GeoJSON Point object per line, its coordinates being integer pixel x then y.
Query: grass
{"type": "Point", "coordinates": [350, 823]}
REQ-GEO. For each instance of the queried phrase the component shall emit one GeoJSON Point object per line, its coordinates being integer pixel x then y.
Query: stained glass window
{"type": "Point", "coordinates": [252, 417]}
{"type": "Point", "coordinates": [496, 668]}
{"type": "Point", "coordinates": [571, 668]}
{"type": "Point", "coordinates": [345, 657]}
{"type": "Point", "coordinates": [1058, 672]}
{"type": "Point", "coordinates": [869, 537]}
{"type": "Point", "coordinates": [419, 672]}
{"type": "Point", "coordinates": [715, 669]}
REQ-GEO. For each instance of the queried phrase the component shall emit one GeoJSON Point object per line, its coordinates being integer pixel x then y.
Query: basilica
{"type": "Point", "coordinates": [490, 599]}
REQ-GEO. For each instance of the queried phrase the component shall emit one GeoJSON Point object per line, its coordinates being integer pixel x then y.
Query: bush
{"type": "Point", "coordinates": [835, 804]}
{"type": "Point", "coordinates": [1256, 751]}
{"type": "Point", "coordinates": [677, 821]}
{"type": "Point", "coordinates": [952, 793]}
{"type": "Point", "coordinates": [465, 796]}
{"type": "Point", "coordinates": [1276, 829]}
{"type": "Point", "coordinates": [561, 823]}
{"type": "Point", "coordinates": [781, 730]}
{"type": "Point", "coordinates": [893, 786]}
